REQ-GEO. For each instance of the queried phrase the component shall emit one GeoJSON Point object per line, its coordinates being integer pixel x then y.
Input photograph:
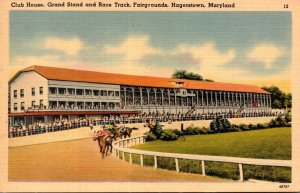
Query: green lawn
{"type": "Point", "coordinates": [266, 144]}
{"type": "Point", "coordinates": [272, 143]}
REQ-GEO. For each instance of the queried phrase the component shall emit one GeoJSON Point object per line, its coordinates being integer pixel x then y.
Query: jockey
{"type": "Point", "coordinates": [120, 127]}
{"type": "Point", "coordinates": [151, 123]}
{"type": "Point", "coordinates": [104, 133]}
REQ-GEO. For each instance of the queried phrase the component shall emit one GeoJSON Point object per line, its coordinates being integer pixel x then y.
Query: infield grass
{"type": "Point", "coordinates": [273, 143]}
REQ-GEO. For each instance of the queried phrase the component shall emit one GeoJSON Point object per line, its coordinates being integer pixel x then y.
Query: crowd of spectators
{"type": "Point", "coordinates": [40, 127]}
{"type": "Point", "coordinates": [179, 102]}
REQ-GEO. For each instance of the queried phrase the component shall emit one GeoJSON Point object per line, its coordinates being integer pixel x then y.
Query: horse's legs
{"type": "Point", "coordinates": [107, 148]}
{"type": "Point", "coordinates": [103, 152]}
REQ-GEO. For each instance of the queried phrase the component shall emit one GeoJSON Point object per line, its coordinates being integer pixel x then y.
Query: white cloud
{"type": "Point", "coordinates": [133, 48]}
{"type": "Point", "coordinates": [266, 53]}
{"type": "Point", "coordinates": [70, 46]}
{"type": "Point", "coordinates": [204, 59]}
{"type": "Point", "coordinates": [20, 62]}
{"type": "Point", "coordinates": [207, 54]}
{"type": "Point", "coordinates": [208, 59]}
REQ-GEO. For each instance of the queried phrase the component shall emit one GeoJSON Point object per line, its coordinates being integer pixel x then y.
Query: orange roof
{"type": "Point", "coordinates": [52, 73]}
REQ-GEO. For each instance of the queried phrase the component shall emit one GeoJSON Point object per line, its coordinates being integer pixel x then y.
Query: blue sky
{"type": "Point", "coordinates": [239, 47]}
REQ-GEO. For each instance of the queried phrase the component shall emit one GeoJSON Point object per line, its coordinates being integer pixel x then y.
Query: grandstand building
{"type": "Point", "coordinates": [40, 92]}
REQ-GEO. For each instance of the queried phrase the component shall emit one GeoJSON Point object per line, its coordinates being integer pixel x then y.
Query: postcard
{"type": "Point", "coordinates": [149, 96]}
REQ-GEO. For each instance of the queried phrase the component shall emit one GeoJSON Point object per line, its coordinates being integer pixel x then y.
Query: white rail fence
{"type": "Point", "coordinates": [121, 147]}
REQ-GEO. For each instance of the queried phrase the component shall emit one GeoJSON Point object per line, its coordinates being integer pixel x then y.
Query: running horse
{"type": "Point", "coordinates": [104, 141]}
{"type": "Point", "coordinates": [122, 131]}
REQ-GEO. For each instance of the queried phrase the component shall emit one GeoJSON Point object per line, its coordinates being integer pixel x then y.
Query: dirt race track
{"type": "Point", "coordinates": [79, 160]}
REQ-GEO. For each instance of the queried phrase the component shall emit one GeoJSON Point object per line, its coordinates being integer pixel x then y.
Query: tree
{"type": "Point", "coordinates": [279, 98]}
{"type": "Point", "coordinates": [183, 74]}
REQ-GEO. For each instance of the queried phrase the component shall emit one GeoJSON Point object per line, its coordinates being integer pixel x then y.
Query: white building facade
{"type": "Point", "coordinates": [50, 92]}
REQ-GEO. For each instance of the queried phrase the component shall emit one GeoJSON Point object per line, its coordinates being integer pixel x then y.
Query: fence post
{"type": "Point", "coordinates": [155, 162]}
{"type": "Point", "coordinates": [177, 165]}
{"type": "Point", "coordinates": [142, 160]}
{"type": "Point", "coordinates": [130, 158]}
{"type": "Point", "coordinates": [203, 167]}
{"type": "Point", "coordinates": [114, 152]}
{"type": "Point", "coordinates": [123, 156]}
{"type": "Point", "coordinates": [241, 172]}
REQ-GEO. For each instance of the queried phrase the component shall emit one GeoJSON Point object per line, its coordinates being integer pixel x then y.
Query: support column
{"type": "Point", "coordinates": [162, 96]}
{"type": "Point", "coordinates": [240, 99]}
{"type": "Point", "coordinates": [228, 95]}
{"type": "Point", "coordinates": [133, 101]}
{"type": "Point", "coordinates": [216, 96]}
{"type": "Point", "coordinates": [232, 98]}
{"type": "Point", "coordinates": [141, 95]}
{"type": "Point", "coordinates": [148, 96]}
{"type": "Point", "coordinates": [125, 89]}
{"type": "Point", "coordinates": [169, 97]}
{"type": "Point", "coordinates": [45, 119]}
{"type": "Point", "coordinates": [197, 97]}
{"type": "Point", "coordinates": [175, 96]}
{"type": "Point", "coordinates": [251, 99]}
{"type": "Point", "coordinates": [202, 99]}
{"type": "Point", "coordinates": [206, 98]}
{"type": "Point", "coordinates": [155, 96]}
{"type": "Point", "coordinates": [220, 93]}
{"type": "Point", "coordinates": [211, 98]}
{"type": "Point", "coordinates": [225, 104]}
{"type": "Point", "coordinates": [181, 101]}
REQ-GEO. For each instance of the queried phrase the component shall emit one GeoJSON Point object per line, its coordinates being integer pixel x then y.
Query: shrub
{"type": "Point", "coordinates": [177, 132]}
{"type": "Point", "coordinates": [150, 136]}
{"type": "Point", "coordinates": [262, 126]}
{"type": "Point", "coordinates": [168, 135]}
{"type": "Point", "coordinates": [220, 125]}
{"type": "Point", "coordinates": [226, 124]}
{"type": "Point", "coordinates": [273, 123]}
{"type": "Point", "coordinates": [281, 121]}
{"type": "Point", "coordinates": [244, 127]}
{"type": "Point", "coordinates": [235, 127]}
{"type": "Point", "coordinates": [191, 131]}
{"type": "Point", "coordinates": [213, 126]}
{"type": "Point", "coordinates": [252, 127]}
{"type": "Point", "coordinates": [204, 130]}
{"type": "Point", "coordinates": [288, 117]}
